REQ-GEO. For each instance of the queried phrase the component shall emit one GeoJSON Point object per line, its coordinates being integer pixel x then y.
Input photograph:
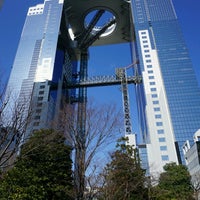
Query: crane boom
{"type": "Point", "coordinates": [122, 75]}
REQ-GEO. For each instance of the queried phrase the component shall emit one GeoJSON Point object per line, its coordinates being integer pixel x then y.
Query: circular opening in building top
{"type": "Point", "coordinates": [101, 18]}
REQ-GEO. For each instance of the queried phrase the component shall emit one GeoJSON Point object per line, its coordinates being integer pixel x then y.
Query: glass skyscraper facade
{"type": "Point", "coordinates": [169, 97]}
{"type": "Point", "coordinates": [41, 65]}
{"type": "Point", "coordinates": [52, 55]}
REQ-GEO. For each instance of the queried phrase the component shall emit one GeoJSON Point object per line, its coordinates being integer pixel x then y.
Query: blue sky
{"type": "Point", "coordinates": [103, 61]}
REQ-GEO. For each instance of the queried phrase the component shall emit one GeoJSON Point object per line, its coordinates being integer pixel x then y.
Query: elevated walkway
{"type": "Point", "coordinates": [96, 81]}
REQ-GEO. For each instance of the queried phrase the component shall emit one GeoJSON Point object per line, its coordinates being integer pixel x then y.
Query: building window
{"type": "Point", "coordinates": [146, 46]}
{"type": "Point", "coordinates": [163, 148]}
{"type": "Point", "coordinates": [150, 71]}
{"type": "Point", "coordinates": [42, 86]}
{"type": "Point", "coordinates": [155, 102]}
{"type": "Point", "coordinates": [36, 124]}
{"type": "Point", "coordinates": [146, 51]}
{"type": "Point", "coordinates": [159, 123]}
{"type": "Point", "coordinates": [165, 157]}
{"type": "Point", "coordinates": [157, 116]}
{"type": "Point", "coordinates": [152, 83]}
{"type": "Point", "coordinates": [143, 33]}
{"type": "Point", "coordinates": [151, 77]}
{"type": "Point", "coordinates": [39, 104]}
{"type": "Point", "coordinates": [41, 92]}
{"type": "Point", "coordinates": [147, 56]}
{"type": "Point", "coordinates": [154, 95]}
{"type": "Point", "coordinates": [38, 111]}
{"type": "Point", "coordinates": [40, 98]}
{"type": "Point", "coordinates": [148, 61]}
{"type": "Point", "coordinates": [149, 66]}
{"type": "Point", "coordinates": [153, 89]}
{"type": "Point", "coordinates": [162, 139]}
{"type": "Point", "coordinates": [37, 117]}
{"type": "Point", "coordinates": [160, 131]}
{"type": "Point", "coordinates": [156, 109]}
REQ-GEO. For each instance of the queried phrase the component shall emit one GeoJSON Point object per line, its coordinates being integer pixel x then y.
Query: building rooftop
{"type": "Point", "coordinates": [80, 12]}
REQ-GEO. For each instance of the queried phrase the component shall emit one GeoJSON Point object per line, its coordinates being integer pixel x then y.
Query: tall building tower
{"type": "Point", "coordinates": [169, 99]}
{"type": "Point", "coordinates": [51, 62]}
{"type": "Point", "coordinates": [50, 67]}
{"type": "Point", "coordinates": [38, 64]}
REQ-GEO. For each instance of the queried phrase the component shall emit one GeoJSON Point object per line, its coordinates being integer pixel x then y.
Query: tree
{"type": "Point", "coordinates": [124, 177]}
{"type": "Point", "coordinates": [13, 122]}
{"type": "Point", "coordinates": [174, 183]}
{"type": "Point", "coordinates": [102, 127]}
{"type": "Point", "coordinates": [42, 171]}
{"type": "Point", "coordinates": [195, 181]}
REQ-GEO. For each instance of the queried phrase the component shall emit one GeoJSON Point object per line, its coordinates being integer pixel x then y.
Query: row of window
{"type": "Point", "coordinates": [155, 101]}
{"type": "Point", "coordinates": [39, 8]}
{"type": "Point", "coordinates": [140, 12]}
{"type": "Point", "coordinates": [163, 148]}
{"type": "Point", "coordinates": [35, 13]}
{"type": "Point", "coordinates": [159, 124]}
{"type": "Point", "coordinates": [39, 105]}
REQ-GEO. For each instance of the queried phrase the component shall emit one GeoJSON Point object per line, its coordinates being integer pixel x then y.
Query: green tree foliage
{"type": "Point", "coordinates": [174, 183]}
{"type": "Point", "coordinates": [42, 171]}
{"type": "Point", "coordinates": [124, 178]}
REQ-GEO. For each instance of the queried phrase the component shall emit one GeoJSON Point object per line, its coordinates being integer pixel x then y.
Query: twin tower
{"type": "Point", "coordinates": [51, 68]}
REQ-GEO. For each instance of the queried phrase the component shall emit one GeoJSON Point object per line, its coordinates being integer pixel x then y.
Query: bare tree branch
{"type": "Point", "coordinates": [103, 125]}
{"type": "Point", "coordinates": [14, 118]}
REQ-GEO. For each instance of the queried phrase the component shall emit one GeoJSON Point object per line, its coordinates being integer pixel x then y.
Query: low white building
{"type": "Point", "coordinates": [192, 159]}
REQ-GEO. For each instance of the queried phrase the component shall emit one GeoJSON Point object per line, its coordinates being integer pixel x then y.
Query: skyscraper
{"type": "Point", "coordinates": [55, 40]}
{"type": "Point", "coordinates": [52, 55]}
{"type": "Point", "coordinates": [51, 62]}
{"type": "Point", "coordinates": [38, 63]}
{"type": "Point", "coordinates": [170, 97]}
